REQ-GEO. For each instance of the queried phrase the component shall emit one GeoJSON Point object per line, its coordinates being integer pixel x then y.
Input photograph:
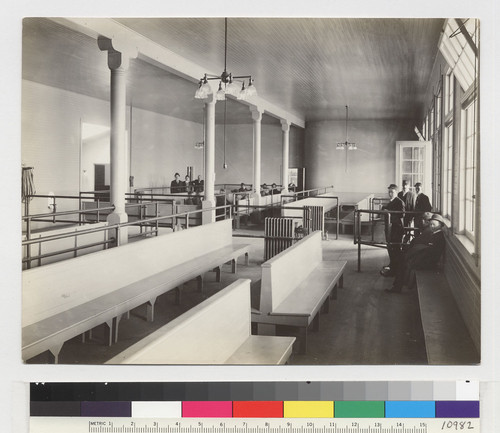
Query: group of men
{"type": "Point", "coordinates": [427, 245]}
{"type": "Point", "coordinates": [186, 186]}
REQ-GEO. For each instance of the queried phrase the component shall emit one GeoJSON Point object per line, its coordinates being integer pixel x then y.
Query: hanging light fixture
{"type": "Point", "coordinates": [346, 145]}
{"type": "Point", "coordinates": [228, 84]}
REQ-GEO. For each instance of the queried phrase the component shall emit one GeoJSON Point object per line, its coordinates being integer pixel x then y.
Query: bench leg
{"type": "Point", "coordinates": [266, 329]}
{"type": "Point", "coordinates": [54, 350]}
{"type": "Point", "coordinates": [325, 308]}
{"type": "Point", "coordinates": [303, 339]}
{"type": "Point", "coordinates": [115, 330]}
{"type": "Point", "coordinates": [316, 322]}
{"type": "Point", "coordinates": [151, 309]}
{"type": "Point", "coordinates": [234, 264]}
{"type": "Point", "coordinates": [246, 259]}
{"type": "Point", "coordinates": [217, 274]}
{"type": "Point", "coordinates": [341, 281]}
{"type": "Point", "coordinates": [333, 293]}
{"type": "Point", "coordinates": [199, 278]}
{"type": "Point", "coordinates": [177, 295]}
{"type": "Point", "coordinates": [109, 331]}
{"type": "Point", "coordinates": [127, 315]}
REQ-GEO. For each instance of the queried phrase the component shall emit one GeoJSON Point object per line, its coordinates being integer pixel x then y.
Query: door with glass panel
{"type": "Point", "coordinates": [414, 164]}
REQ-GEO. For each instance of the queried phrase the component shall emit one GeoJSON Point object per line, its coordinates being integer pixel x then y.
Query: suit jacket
{"type": "Point", "coordinates": [396, 205]}
{"type": "Point", "coordinates": [422, 203]}
{"type": "Point", "coordinates": [408, 199]}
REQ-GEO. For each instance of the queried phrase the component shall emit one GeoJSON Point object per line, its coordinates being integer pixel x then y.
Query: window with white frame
{"type": "Point", "coordinates": [431, 123]}
{"type": "Point", "coordinates": [449, 88]}
{"type": "Point", "coordinates": [468, 170]}
{"type": "Point", "coordinates": [448, 171]}
{"type": "Point", "coordinates": [437, 174]}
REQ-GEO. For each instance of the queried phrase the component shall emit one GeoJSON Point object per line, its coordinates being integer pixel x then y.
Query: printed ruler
{"type": "Point", "coordinates": [251, 425]}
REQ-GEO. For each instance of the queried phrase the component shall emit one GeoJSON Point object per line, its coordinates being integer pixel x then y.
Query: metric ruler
{"type": "Point", "coordinates": [251, 425]}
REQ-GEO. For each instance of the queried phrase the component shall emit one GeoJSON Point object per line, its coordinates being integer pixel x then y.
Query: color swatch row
{"type": "Point", "coordinates": [257, 409]}
{"type": "Point", "coordinates": [256, 391]}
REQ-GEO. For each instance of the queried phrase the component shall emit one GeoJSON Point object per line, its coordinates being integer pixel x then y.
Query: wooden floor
{"type": "Point", "coordinates": [365, 325]}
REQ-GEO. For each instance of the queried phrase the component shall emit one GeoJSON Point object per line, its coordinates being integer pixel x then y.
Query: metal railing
{"type": "Point", "coordinates": [110, 241]}
{"type": "Point", "coordinates": [375, 219]}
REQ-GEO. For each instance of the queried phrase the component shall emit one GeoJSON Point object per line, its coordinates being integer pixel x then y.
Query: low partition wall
{"type": "Point", "coordinates": [464, 278]}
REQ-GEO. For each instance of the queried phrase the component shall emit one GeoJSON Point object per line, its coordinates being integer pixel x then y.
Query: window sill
{"type": "Point", "coordinates": [467, 243]}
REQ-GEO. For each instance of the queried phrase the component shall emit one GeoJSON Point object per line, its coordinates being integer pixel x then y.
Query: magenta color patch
{"type": "Point", "coordinates": [207, 409]}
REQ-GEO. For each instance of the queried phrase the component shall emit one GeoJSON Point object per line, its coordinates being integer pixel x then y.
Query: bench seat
{"type": "Point", "coordinates": [66, 299]}
{"type": "Point", "coordinates": [296, 284]}
{"type": "Point", "coordinates": [447, 339]}
{"type": "Point", "coordinates": [216, 331]}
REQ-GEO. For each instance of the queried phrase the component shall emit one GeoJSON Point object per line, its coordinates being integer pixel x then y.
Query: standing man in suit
{"type": "Point", "coordinates": [176, 185]}
{"type": "Point", "coordinates": [408, 198]}
{"type": "Point", "coordinates": [422, 204]}
{"type": "Point", "coordinates": [394, 231]}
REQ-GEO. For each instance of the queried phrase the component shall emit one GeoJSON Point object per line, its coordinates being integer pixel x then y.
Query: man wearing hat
{"type": "Point", "coordinates": [408, 198]}
{"type": "Point", "coordinates": [394, 230]}
{"type": "Point", "coordinates": [424, 252]}
{"type": "Point", "coordinates": [422, 204]}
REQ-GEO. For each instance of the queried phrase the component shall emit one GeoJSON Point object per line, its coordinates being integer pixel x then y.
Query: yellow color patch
{"type": "Point", "coordinates": [308, 409]}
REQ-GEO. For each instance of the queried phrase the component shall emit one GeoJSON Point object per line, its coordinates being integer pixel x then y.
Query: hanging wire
{"type": "Point", "coordinates": [27, 184]}
{"type": "Point", "coordinates": [224, 133]}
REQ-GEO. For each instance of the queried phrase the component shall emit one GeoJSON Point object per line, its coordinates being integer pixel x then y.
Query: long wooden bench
{"type": "Point", "coordinates": [65, 299]}
{"type": "Point", "coordinates": [447, 339]}
{"type": "Point", "coordinates": [295, 285]}
{"type": "Point", "coordinates": [216, 331]}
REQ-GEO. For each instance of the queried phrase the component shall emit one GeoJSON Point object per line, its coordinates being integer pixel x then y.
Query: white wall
{"type": "Point", "coordinates": [239, 153]}
{"type": "Point", "coordinates": [371, 168]}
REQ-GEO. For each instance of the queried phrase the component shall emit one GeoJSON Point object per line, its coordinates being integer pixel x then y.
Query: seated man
{"type": "Point", "coordinates": [275, 189]}
{"type": "Point", "coordinates": [242, 187]}
{"type": "Point", "coordinates": [264, 190]}
{"type": "Point", "coordinates": [424, 252]}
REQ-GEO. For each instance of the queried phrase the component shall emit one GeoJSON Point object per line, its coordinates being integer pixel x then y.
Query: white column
{"type": "Point", "coordinates": [118, 62]}
{"type": "Point", "coordinates": [285, 127]}
{"type": "Point", "coordinates": [257, 122]}
{"type": "Point", "coordinates": [209, 198]}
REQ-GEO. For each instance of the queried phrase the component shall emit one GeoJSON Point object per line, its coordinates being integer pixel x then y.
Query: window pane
{"type": "Point", "coordinates": [407, 166]}
{"type": "Point", "coordinates": [407, 152]}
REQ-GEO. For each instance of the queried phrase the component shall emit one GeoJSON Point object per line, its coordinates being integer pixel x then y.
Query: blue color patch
{"type": "Point", "coordinates": [410, 409]}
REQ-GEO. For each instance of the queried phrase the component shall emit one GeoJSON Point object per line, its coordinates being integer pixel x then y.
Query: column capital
{"type": "Point", "coordinates": [119, 52]}
{"type": "Point", "coordinates": [285, 125]}
{"type": "Point", "coordinates": [256, 112]}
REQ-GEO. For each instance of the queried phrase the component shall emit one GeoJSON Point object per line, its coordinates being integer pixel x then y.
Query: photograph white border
{"type": "Point", "coordinates": [16, 375]}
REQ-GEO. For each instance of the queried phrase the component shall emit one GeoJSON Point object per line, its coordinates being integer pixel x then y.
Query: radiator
{"type": "Point", "coordinates": [278, 235]}
{"type": "Point", "coordinates": [314, 219]}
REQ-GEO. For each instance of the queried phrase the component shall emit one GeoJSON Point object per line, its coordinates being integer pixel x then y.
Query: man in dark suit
{"type": "Point", "coordinates": [408, 198]}
{"type": "Point", "coordinates": [422, 204]}
{"type": "Point", "coordinates": [176, 185]}
{"type": "Point", "coordinates": [394, 230]}
{"type": "Point", "coordinates": [424, 252]}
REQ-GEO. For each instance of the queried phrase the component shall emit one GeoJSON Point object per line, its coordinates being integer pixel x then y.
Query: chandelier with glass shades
{"type": "Point", "coordinates": [346, 145]}
{"type": "Point", "coordinates": [229, 84]}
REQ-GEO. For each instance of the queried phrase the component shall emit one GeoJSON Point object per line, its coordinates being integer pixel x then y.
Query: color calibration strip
{"type": "Point", "coordinates": [260, 399]}
{"type": "Point", "coordinates": [259, 409]}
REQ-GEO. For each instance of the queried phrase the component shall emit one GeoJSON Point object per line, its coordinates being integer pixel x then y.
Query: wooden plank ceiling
{"type": "Point", "coordinates": [311, 67]}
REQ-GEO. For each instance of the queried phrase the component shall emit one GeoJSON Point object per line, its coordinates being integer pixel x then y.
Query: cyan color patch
{"type": "Point", "coordinates": [410, 409]}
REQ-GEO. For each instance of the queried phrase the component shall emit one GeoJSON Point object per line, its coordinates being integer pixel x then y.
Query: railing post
{"type": "Point", "coordinates": [53, 210]}
{"type": "Point", "coordinates": [80, 208]}
{"type": "Point", "coordinates": [117, 239]}
{"type": "Point", "coordinates": [157, 222]}
{"type": "Point", "coordinates": [338, 218]}
{"type": "Point", "coordinates": [28, 247]}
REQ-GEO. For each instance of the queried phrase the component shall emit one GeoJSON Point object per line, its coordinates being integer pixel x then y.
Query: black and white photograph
{"type": "Point", "coordinates": [251, 191]}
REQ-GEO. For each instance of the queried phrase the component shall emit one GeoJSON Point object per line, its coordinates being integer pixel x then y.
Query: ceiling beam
{"type": "Point", "coordinates": [161, 57]}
